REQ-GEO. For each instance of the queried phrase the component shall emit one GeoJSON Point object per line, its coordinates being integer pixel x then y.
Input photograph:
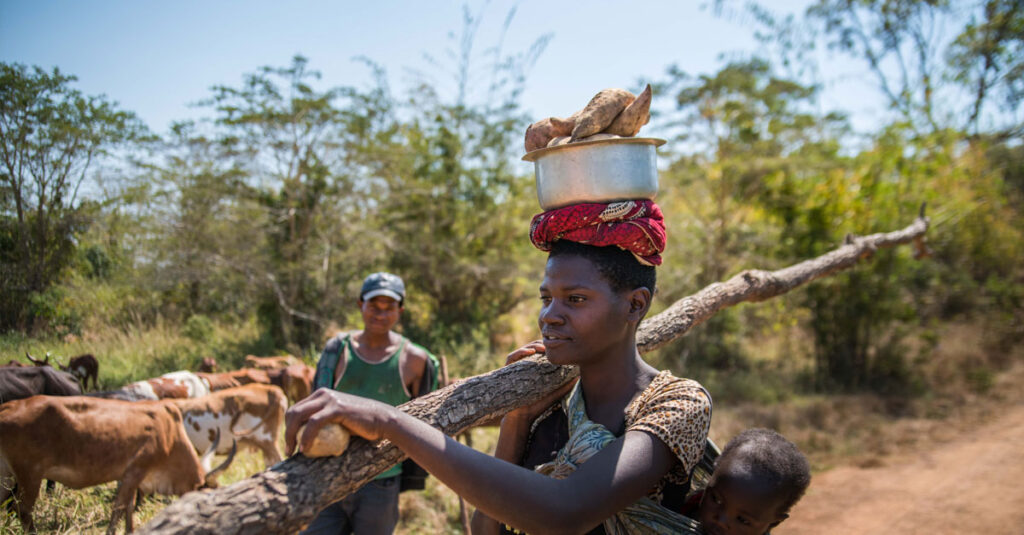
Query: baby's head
{"type": "Point", "coordinates": [758, 478]}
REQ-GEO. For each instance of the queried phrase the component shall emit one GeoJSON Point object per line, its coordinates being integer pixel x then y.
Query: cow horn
{"type": "Point", "coordinates": [207, 456]}
{"type": "Point", "coordinates": [210, 480]}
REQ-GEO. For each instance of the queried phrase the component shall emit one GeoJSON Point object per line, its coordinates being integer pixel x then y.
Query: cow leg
{"type": "Point", "coordinates": [271, 455]}
{"type": "Point", "coordinates": [7, 484]}
{"type": "Point", "coordinates": [124, 502]}
{"type": "Point", "coordinates": [26, 494]}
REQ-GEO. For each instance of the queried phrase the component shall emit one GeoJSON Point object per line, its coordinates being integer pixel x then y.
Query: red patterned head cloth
{"type": "Point", "coordinates": [636, 226]}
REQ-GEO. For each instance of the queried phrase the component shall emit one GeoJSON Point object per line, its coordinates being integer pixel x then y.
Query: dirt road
{"type": "Point", "coordinates": [973, 484]}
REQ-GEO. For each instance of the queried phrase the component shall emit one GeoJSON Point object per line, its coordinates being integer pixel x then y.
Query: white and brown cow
{"type": "Point", "coordinates": [83, 441]}
{"type": "Point", "coordinates": [251, 414]}
{"type": "Point", "coordinates": [174, 385]}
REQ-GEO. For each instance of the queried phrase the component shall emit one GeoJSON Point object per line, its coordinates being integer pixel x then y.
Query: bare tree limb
{"type": "Point", "coordinates": [287, 496]}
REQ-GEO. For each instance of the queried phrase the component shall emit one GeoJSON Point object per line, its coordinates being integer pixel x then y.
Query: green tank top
{"type": "Point", "coordinates": [381, 381]}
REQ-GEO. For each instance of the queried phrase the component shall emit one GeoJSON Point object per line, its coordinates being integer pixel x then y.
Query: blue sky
{"type": "Point", "coordinates": [156, 58]}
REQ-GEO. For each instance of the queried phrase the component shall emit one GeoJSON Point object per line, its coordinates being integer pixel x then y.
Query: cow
{"type": "Point", "coordinates": [209, 365]}
{"type": "Point", "coordinates": [84, 441]}
{"type": "Point", "coordinates": [28, 381]}
{"type": "Point", "coordinates": [270, 363]}
{"type": "Point", "coordinates": [251, 414]}
{"type": "Point", "coordinates": [174, 385]}
{"type": "Point", "coordinates": [83, 367]}
{"type": "Point", "coordinates": [296, 381]}
{"type": "Point", "coordinates": [245, 376]}
{"type": "Point", "coordinates": [14, 364]}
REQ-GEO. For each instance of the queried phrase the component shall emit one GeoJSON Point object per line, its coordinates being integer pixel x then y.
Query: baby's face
{"type": "Point", "coordinates": [736, 505]}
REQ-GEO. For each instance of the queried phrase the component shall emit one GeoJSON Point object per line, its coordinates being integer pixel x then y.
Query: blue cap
{"type": "Point", "coordinates": [382, 283]}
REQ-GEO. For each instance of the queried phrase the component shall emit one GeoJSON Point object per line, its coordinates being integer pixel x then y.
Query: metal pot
{"type": "Point", "coordinates": [603, 170]}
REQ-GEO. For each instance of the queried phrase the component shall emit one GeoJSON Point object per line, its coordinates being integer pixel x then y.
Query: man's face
{"type": "Point", "coordinates": [581, 317]}
{"type": "Point", "coordinates": [736, 503]}
{"type": "Point", "coordinates": [380, 314]}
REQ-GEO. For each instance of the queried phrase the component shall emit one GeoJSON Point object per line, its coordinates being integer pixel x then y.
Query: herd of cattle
{"type": "Point", "coordinates": [146, 435]}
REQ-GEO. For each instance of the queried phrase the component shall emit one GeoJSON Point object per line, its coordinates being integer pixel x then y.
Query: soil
{"type": "Point", "coordinates": [971, 484]}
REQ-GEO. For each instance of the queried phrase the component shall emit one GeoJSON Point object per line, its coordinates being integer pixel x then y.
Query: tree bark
{"type": "Point", "coordinates": [287, 496]}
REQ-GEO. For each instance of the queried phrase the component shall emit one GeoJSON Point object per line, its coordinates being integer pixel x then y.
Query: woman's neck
{"type": "Point", "coordinates": [610, 384]}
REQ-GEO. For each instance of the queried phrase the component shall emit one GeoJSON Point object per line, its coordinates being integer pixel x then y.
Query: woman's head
{"type": "Point", "coordinates": [619, 267]}
{"type": "Point", "coordinates": [592, 299]}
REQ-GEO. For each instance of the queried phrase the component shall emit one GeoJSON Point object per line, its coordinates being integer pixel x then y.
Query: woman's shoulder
{"type": "Point", "coordinates": [678, 412]}
{"type": "Point", "coordinates": [667, 388]}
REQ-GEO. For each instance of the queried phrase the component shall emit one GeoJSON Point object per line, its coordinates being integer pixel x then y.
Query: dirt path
{"type": "Point", "coordinates": [974, 484]}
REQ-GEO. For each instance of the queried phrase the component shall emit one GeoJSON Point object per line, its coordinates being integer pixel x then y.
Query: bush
{"type": "Point", "coordinates": [198, 328]}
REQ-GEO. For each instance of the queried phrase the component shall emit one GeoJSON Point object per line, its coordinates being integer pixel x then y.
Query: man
{"type": "Point", "coordinates": [380, 364]}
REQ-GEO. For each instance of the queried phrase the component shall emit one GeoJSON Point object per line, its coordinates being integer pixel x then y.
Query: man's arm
{"type": "Point", "coordinates": [331, 365]}
{"type": "Point", "coordinates": [413, 369]}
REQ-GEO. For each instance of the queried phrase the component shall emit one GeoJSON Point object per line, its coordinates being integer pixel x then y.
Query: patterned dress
{"type": "Point", "coordinates": [678, 412]}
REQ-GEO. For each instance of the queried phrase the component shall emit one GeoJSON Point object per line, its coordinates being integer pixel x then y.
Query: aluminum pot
{"type": "Point", "coordinates": [603, 170]}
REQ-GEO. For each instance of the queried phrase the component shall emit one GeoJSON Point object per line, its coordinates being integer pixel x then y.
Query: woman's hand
{"type": "Point", "coordinates": [528, 413]}
{"type": "Point", "coordinates": [364, 417]}
{"type": "Point", "coordinates": [533, 348]}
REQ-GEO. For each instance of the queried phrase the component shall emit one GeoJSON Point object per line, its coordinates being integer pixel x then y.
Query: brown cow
{"type": "Point", "coordinates": [209, 365]}
{"type": "Point", "coordinates": [83, 367]}
{"type": "Point", "coordinates": [296, 381]}
{"type": "Point", "coordinates": [82, 441]}
{"type": "Point", "coordinates": [245, 376]}
{"type": "Point", "coordinates": [270, 363]}
{"type": "Point", "coordinates": [252, 414]}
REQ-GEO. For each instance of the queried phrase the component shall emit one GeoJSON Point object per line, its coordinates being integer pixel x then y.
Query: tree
{"type": "Point", "coordinates": [987, 58]}
{"type": "Point", "coordinates": [746, 128]}
{"type": "Point", "coordinates": [451, 193]}
{"type": "Point", "coordinates": [911, 57]}
{"type": "Point", "coordinates": [50, 136]}
{"type": "Point", "coordinates": [290, 140]}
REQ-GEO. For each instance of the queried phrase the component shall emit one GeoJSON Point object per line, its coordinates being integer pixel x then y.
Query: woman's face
{"type": "Point", "coordinates": [581, 318]}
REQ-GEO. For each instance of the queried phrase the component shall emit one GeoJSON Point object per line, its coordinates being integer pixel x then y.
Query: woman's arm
{"type": "Point", "coordinates": [615, 477]}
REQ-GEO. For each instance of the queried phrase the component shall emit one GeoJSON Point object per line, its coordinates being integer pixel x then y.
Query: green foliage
{"type": "Point", "coordinates": [50, 135]}
{"type": "Point", "coordinates": [198, 328]}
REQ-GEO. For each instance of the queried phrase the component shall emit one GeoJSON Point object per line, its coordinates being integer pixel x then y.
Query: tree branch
{"type": "Point", "coordinates": [287, 496]}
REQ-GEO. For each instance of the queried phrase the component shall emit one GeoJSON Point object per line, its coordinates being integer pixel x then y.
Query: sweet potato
{"type": "Point", "coordinates": [540, 133]}
{"type": "Point", "coordinates": [560, 140]}
{"type": "Point", "coordinates": [598, 137]}
{"type": "Point", "coordinates": [331, 441]}
{"type": "Point", "coordinates": [637, 114]}
{"type": "Point", "coordinates": [601, 111]}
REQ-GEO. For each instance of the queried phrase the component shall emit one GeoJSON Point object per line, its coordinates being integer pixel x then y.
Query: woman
{"type": "Point", "coordinates": [633, 432]}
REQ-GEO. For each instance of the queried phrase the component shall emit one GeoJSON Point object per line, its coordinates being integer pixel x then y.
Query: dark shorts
{"type": "Point", "coordinates": [371, 510]}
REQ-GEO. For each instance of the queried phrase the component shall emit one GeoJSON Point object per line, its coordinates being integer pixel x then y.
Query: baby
{"type": "Point", "coordinates": [757, 479]}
